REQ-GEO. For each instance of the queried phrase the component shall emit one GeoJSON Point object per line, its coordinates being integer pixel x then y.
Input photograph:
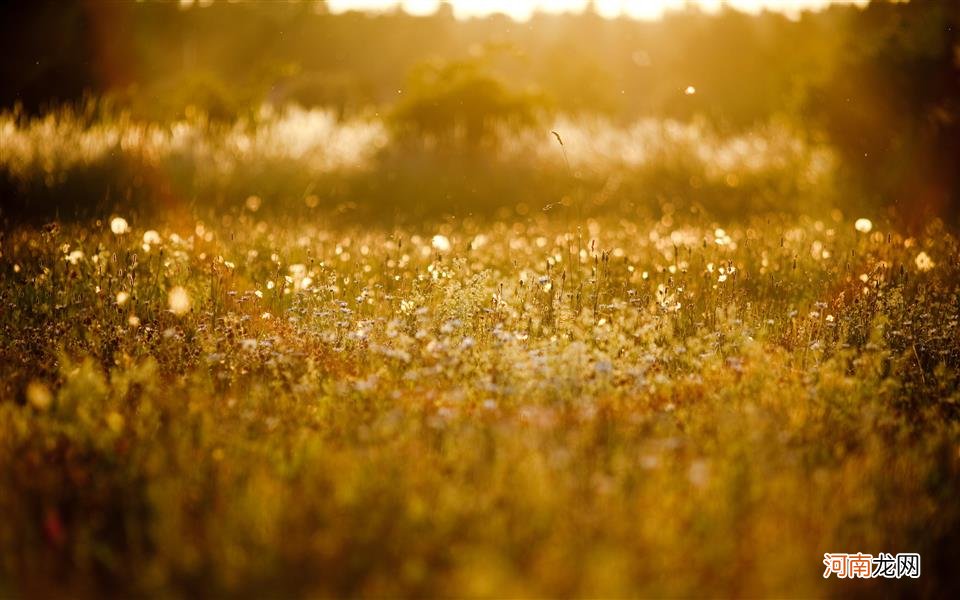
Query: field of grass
{"type": "Point", "coordinates": [301, 301]}
{"type": "Point", "coordinates": [539, 406]}
{"type": "Point", "coordinates": [79, 164]}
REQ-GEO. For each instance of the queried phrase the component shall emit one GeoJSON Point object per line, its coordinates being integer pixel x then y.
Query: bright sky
{"type": "Point", "coordinates": [638, 9]}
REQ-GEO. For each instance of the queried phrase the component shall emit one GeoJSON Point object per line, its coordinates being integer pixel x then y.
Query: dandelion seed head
{"type": "Point", "coordinates": [441, 243]}
{"type": "Point", "coordinates": [119, 226]}
{"type": "Point", "coordinates": [924, 262]}
{"type": "Point", "coordinates": [863, 225]}
{"type": "Point", "coordinates": [178, 300]}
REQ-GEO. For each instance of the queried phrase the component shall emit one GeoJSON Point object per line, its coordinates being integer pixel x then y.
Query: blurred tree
{"type": "Point", "coordinates": [459, 103]}
{"type": "Point", "coordinates": [892, 106]}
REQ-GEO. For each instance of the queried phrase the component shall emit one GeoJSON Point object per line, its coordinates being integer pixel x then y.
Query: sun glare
{"type": "Point", "coordinates": [522, 10]}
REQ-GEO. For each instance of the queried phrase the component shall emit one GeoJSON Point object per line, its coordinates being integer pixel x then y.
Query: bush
{"type": "Point", "coordinates": [459, 103]}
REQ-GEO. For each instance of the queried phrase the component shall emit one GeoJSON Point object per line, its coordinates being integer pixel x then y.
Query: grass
{"type": "Point", "coordinates": [621, 407]}
{"type": "Point", "coordinates": [83, 164]}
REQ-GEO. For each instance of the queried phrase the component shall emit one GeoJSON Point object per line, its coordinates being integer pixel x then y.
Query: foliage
{"type": "Point", "coordinates": [460, 104]}
{"type": "Point", "coordinates": [879, 83]}
{"type": "Point", "coordinates": [83, 164]}
{"type": "Point", "coordinates": [274, 321]}
{"type": "Point", "coordinates": [660, 408]}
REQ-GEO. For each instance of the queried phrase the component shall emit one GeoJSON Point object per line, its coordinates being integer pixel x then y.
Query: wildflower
{"type": "Point", "coordinates": [479, 241]}
{"type": "Point", "coordinates": [441, 243]}
{"type": "Point", "coordinates": [863, 225]}
{"type": "Point", "coordinates": [122, 298]}
{"type": "Point", "coordinates": [119, 226]}
{"type": "Point", "coordinates": [178, 300]}
{"type": "Point", "coordinates": [151, 237]}
{"type": "Point", "coordinates": [74, 257]}
{"type": "Point", "coordinates": [924, 262]}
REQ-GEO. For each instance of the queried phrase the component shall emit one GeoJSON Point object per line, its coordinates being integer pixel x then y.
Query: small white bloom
{"type": "Point", "coordinates": [178, 300]}
{"type": "Point", "coordinates": [119, 226]}
{"type": "Point", "coordinates": [441, 243]}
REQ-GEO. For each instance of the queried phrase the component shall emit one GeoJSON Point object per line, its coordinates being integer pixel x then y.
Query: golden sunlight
{"type": "Point", "coordinates": [487, 298]}
{"type": "Point", "coordinates": [522, 10]}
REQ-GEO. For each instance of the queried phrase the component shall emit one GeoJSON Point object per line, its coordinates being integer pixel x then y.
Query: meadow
{"type": "Point", "coordinates": [91, 161]}
{"type": "Point", "coordinates": [570, 399]}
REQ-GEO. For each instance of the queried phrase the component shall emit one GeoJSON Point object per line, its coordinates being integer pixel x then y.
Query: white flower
{"type": "Point", "coordinates": [924, 262]}
{"type": "Point", "coordinates": [119, 226]}
{"type": "Point", "coordinates": [178, 300]}
{"type": "Point", "coordinates": [441, 243]}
